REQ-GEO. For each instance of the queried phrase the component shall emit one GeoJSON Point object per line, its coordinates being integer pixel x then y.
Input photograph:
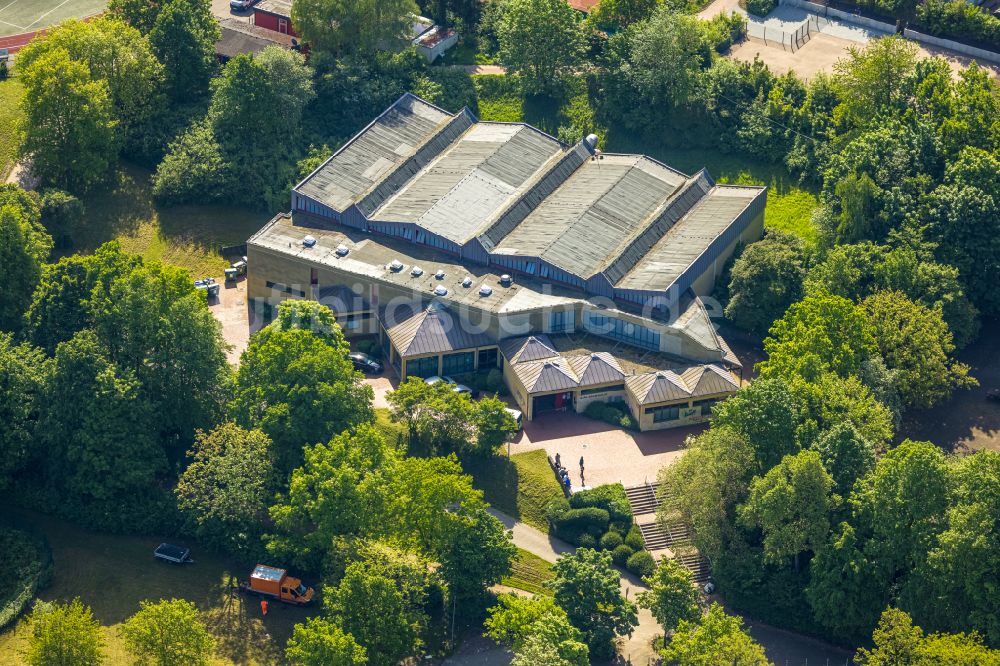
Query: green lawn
{"type": "Point", "coordinates": [185, 236]}
{"type": "Point", "coordinates": [520, 487]}
{"type": "Point", "coordinates": [11, 92]}
{"type": "Point", "coordinates": [392, 432]}
{"type": "Point", "coordinates": [530, 573]}
{"type": "Point", "coordinates": [112, 574]}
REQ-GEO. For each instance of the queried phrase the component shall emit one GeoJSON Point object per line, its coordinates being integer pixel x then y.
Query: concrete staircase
{"type": "Point", "coordinates": [665, 539]}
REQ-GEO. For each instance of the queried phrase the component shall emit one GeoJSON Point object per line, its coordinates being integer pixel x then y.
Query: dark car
{"type": "Point", "coordinates": [365, 363]}
{"type": "Point", "coordinates": [168, 552]}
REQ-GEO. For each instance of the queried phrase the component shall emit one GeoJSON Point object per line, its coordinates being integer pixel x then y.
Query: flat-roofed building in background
{"type": "Point", "coordinates": [467, 246]}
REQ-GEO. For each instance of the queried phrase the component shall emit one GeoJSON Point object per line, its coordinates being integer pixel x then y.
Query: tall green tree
{"type": "Point", "coordinates": [183, 37]}
{"type": "Point", "coordinates": [226, 490]}
{"type": "Point", "coordinates": [24, 247]}
{"type": "Point", "coordinates": [69, 124]}
{"type": "Point", "coordinates": [101, 450]}
{"type": "Point", "coordinates": [766, 280]}
{"type": "Point", "coordinates": [298, 386]}
{"type": "Point", "coordinates": [117, 54]}
{"type": "Point", "coordinates": [846, 455]}
{"type": "Point", "coordinates": [791, 505]}
{"type": "Point", "coordinates": [818, 334]}
{"type": "Point", "coordinates": [538, 631]}
{"type": "Point", "coordinates": [767, 415]}
{"type": "Point", "coordinates": [672, 595]}
{"type": "Point", "coordinates": [380, 601]}
{"type": "Point", "coordinates": [540, 40]}
{"type": "Point", "coordinates": [344, 28]}
{"type": "Point", "coordinates": [872, 79]}
{"type": "Point", "coordinates": [64, 635]}
{"type": "Point", "coordinates": [587, 587]}
{"type": "Point", "coordinates": [476, 555]}
{"type": "Point", "coordinates": [717, 639]}
{"type": "Point", "coordinates": [167, 633]}
{"type": "Point", "coordinates": [320, 642]}
{"type": "Point", "coordinates": [898, 641]}
{"type": "Point", "coordinates": [24, 375]}
{"type": "Point", "coordinates": [915, 343]}
{"type": "Point", "coordinates": [666, 55]}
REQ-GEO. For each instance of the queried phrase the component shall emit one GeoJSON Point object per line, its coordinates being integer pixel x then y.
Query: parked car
{"type": "Point", "coordinates": [168, 552]}
{"type": "Point", "coordinates": [241, 5]}
{"type": "Point", "coordinates": [517, 416]}
{"type": "Point", "coordinates": [365, 363]}
{"type": "Point", "coordinates": [458, 388]}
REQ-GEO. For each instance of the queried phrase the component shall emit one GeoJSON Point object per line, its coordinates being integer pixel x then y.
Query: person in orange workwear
{"type": "Point", "coordinates": [263, 607]}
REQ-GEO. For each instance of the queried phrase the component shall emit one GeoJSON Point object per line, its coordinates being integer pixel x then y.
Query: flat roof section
{"type": "Point", "coordinates": [472, 180]}
{"type": "Point", "coordinates": [689, 238]}
{"type": "Point", "coordinates": [374, 153]}
{"type": "Point", "coordinates": [593, 214]}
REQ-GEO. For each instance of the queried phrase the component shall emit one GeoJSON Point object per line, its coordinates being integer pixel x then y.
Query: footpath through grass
{"type": "Point", "coordinates": [520, 487]}
{"type": "Point", "coordinates": [530, 573]}
{"type": "Point", "coordinates": [112, 574]}
{"type": "Point", "coordinates": [11, 92]}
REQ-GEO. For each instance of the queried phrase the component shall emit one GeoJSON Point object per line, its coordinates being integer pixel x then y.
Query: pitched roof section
{"type": "Point", "coordinates": [431, 330]}
{"type": "Point", "coordinates": [594, 213]}
{"type": "Point", "coordinates": [374, 153]}
{"type": "Point", "coordinates": [659, 266]}
{"type": "Point", "coordinates": [471, 180]}
{"type": "Point", "coordinates": [596, 368]}
{"type": "Point", "coordinates": [531, 348]}
{"type": "Point", "coordinates": [668, 386]}
{"type": "Point", "coordinates": [554, 374]}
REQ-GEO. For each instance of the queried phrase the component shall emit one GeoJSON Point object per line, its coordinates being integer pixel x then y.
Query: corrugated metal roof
{"type": "Point", "coordinates": [431, 330]}
{"type": "Point", "coordinates": [471, 180]}
{"type": "Point", "coordinates": [531, 348]}
{"type": "Point", "coordinates": [686, 240]}
{"type": "Point", "coordinates": [669, 386]}
{"type": "Point", "coordinates": [374, 152]}
{"type": "Point", "coordinates": [594, 213]}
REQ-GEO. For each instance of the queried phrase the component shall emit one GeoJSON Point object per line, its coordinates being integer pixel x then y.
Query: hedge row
{"type": "Point", "coordinates": [961, 21]}
{"type": "Point", "coordinates": [616, 413]}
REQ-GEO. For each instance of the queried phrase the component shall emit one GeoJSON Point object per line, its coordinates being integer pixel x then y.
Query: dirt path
{"type": "Point", "coordinates": [481, 69]}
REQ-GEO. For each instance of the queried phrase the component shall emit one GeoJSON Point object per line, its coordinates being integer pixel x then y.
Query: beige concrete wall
{"type": "Point", "coordinates": [517, 390]}
{"type": "Point", "coordinates": [581, 401]}
{"type": "Point", "coordinates": [692, 415]}
{"type": "Point", "coordinates": [705, 284]}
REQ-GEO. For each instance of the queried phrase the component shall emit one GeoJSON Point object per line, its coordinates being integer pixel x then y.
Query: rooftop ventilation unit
{"type": "Point", "coordinates": [308, 241]}
{"type": "Point", "coordinates": [416, 271]}
{"type": "Point", "coordinates": [505, 280]}
{"type": "Point", "coordinates": [485, 290]}
{"type": "Point", "coordinates": [440, 290]}
{"type": "Point", "coordinates": [467, 282]}
{"type": "Point", "coordinates": [396, 266]}
{"type": "Point", "coordinates": [342, 250]}
{"type": "Point", "coordinates": [591, 141]}
{"type": "Point", "coordinates": [440, 274]}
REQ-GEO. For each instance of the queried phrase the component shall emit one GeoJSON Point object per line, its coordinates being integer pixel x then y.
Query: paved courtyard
{"type": "Point", "coordinates": [230, 308]}
{"type": "Point", "coordinates": [611, 455]}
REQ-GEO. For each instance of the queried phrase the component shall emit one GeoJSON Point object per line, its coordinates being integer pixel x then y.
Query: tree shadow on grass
{"type": "Point", "coordinates": [498, 478]}
{"type": "Point", "coordinates": [242, 635]}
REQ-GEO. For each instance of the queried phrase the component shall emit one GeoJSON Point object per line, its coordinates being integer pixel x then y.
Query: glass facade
{"type": "Point", "coordinates": [488, 358]}
{"type": "Point", "coordinates": [706, 405]}
{"type": "Point", "coordinates": [457, 364]}
{"type": "Point", "coordinates": [560, 320]}
{"type": "Point", "coordinates": [603, 389]}
{"type": "Point", "coordinates": [422, 367]}
{"type": "Point", "coordinates": [619, 329]}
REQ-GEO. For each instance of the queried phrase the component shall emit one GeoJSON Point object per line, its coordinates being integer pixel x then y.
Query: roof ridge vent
{"type": "Point", "coordinates": [396, 265]}
{"type": "Point", "coordinates": [485, 290]}
{"type": "Point", "coordinates": [505, 280]}
{"type": "Point", "coordinates": [342, 250]}
{"type": "Point", "coordinates": [440, 290]}
{"type": "Point", "coordinates": [309, 241]}
{"type": "Point", "coordinates": [467, 282]}
{"type": "Point", "coordinates": [416, 271]}
{"type": "Point", "coordinates": [439, 274]}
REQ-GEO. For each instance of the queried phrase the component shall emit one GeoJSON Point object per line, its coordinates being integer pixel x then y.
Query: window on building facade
{"type": "Point", "coordinates": [661, 414]}
{"type": "Point", "coordinates": [603, 389]}
{"type": "Point", "coordinates": [706, 405]}
{"type": "Point", "coordinates": [285, 289]}
{"type": "Point", "coordinates": [560, 320]}
{"type": "Point", "coordinates": [625, 331]}
{"type": "Point", "coordinates": [422, 367]}
{"type": "Point", "coordinates": [457, 364]}
{"type": "Point", "coordinates": [488, 358]}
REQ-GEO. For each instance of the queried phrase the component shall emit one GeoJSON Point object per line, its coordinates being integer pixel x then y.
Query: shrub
{"type": "Point", "coordinates": [641, 563]}
{"type": "Point", "coordinates": [586, 541]}
{"type": "Point", "coordinates": [575, 523]}
{"type": "Point", "coordinates": [494, 382]}
{"type": "Point", "coordinates": [616, 413]}
{"type": "Point", "coordinates": [959, 20]}
{"type": "Point", "coordinates": [621, 554]}
{"type": "Point", "coordinates": [611, 540]}
{"type": "Point", "coordinates": [610, 497]}
{"type": "Point", "coordinates": [555, 509]}
{"type": "Point", "coordinates": [634, 539]}
{"type": "Point", "coordinates": [759, 7]}
{"type": "Point", "coordinates": [725, 30]}
{"type": "Point", "coordinates": [3, 70]}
